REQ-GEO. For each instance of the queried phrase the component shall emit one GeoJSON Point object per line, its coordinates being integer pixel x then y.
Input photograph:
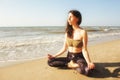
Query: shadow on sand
{"type": "Point", "coordinates": [102, 71]}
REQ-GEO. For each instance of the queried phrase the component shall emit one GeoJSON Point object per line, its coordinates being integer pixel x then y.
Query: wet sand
{"type": "Point", "coordinates": [106, 57]}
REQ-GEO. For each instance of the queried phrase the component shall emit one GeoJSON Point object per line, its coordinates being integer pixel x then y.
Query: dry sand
{"type": "Point", "coordinates": [106, 57]}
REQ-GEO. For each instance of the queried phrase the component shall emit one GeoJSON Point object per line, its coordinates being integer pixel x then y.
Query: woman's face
{"type": "Point", "coordinates": [72, 20]}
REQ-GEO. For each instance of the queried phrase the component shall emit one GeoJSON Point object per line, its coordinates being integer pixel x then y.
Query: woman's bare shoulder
{"type": "Point", "coordinates": [82, 30]}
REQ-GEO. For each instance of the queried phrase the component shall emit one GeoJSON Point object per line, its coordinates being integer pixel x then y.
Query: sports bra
{"type": "Point", "coordinates": [74, 43]}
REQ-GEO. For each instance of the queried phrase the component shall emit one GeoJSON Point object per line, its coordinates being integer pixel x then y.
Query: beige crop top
{"type": "Point", "coordinates": [74, 43]}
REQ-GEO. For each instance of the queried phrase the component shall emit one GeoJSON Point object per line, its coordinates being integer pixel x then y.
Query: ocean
{"type": "Point", "coordinates": [26, 43]}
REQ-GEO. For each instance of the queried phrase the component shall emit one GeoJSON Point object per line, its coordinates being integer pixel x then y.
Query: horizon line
{"type": "Point", "coordinates": [63, 26]}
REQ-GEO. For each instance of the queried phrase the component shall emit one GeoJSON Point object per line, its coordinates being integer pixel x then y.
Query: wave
{"type": "Point", "coordinates": [103, 35]}
{"type": "Point", "coordinates": [45, 40]}
{"type": "Point", "coordinates": [4, 44]}
{"type": "Point", "coordinates": [32, 41]}
{"type": "Point", "coordinates": [104, 28]}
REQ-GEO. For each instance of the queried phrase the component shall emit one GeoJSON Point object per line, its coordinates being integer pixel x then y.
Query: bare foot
{"type": "Point", "coordinates": [71, 64]}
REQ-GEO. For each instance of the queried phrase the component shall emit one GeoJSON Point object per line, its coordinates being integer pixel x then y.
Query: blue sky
{"type": "Point", "coordinates": [55, 12]}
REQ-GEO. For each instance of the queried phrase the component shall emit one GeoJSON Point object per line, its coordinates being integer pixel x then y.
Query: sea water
{"type": "Point", "coordinates": [22, 43]}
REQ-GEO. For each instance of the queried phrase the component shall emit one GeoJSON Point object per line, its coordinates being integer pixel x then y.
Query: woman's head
{"type": "Point", "coordinates": [74, 18]}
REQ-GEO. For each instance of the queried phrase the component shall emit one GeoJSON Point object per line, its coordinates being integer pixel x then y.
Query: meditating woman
{"type": "Point", "coordinates": [76, 43]}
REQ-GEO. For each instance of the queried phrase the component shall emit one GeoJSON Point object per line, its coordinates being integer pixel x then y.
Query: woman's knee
{"type": "Point", "coordinates": [56, 63]}
{"type": "Point", "coordinates": [50, 62]}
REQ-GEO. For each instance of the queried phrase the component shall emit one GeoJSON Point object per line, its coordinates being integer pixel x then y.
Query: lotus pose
{"type": "Point", "coordinates": [76, 44]}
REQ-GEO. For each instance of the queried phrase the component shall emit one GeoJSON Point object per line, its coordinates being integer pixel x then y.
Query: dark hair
{"type": "Point", "coordinates": [69, 29]}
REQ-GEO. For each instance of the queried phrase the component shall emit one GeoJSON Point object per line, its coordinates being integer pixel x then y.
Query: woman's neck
{"type": "Point", "coordinates": [75, 27]}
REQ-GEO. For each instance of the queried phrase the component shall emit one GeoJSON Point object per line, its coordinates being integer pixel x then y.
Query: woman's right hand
{"type": "Point", "coordinates": [50, 56]}
{"type": "Point", "coordinates": [91, 66]}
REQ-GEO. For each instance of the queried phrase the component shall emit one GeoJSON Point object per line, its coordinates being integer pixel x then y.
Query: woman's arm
{"type": "Point", "coordinates": [85, 51]}
{"type": "Point", "coordinates": [65, 47]}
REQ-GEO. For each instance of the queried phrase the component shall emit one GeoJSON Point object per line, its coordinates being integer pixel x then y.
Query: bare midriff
{"type": "Point", "coordinates": [74, 49]}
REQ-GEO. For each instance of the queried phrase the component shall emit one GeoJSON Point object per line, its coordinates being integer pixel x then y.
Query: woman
{"type": "Point", "coordinates": [76, 43]}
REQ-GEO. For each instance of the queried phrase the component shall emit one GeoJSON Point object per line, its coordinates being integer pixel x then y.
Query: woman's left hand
{"type": "Point", "coordinates": [91, 66]}
{"type": "Point", "coordinates": [50, 56]}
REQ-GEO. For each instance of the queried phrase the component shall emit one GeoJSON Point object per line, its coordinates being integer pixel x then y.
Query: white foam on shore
{"type": "Point", "coordinates": [37, 47]}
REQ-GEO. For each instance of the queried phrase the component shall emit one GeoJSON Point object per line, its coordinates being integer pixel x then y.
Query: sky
{"type": "Point", "coordinates": [55, 12]}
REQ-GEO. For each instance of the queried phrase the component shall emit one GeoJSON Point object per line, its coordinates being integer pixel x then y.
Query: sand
{"type": "Point", "coordinates": [106, 57]}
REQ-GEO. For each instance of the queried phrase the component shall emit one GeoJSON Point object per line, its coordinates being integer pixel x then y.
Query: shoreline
{"type": "Point", "coordinates": [95, 42]}
{"type": "Point", "coordinates": [105, 56]}
{"type": "Point", "coordinates": [103, 39]}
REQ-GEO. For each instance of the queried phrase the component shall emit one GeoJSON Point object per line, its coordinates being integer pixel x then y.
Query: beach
{"type": "Point", "coordinates": [105, 55]}
{"type": "Point", "coordinates": [31, 31]}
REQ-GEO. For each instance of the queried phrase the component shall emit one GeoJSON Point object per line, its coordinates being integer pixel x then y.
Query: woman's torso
{"type": "Point", "coordinates": [76, 43]}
